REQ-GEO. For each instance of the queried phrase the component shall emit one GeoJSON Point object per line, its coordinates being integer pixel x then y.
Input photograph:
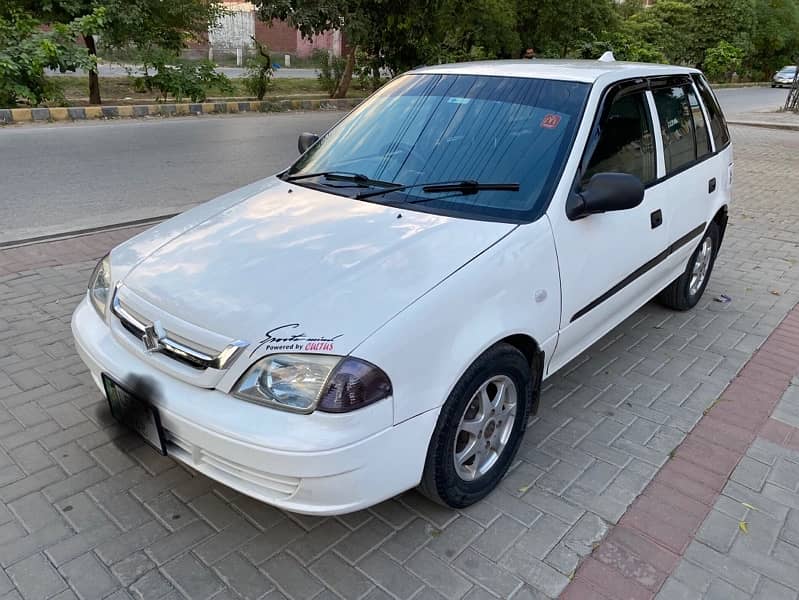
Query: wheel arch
{"type": "Point", "coordinates": [720, 219]}
{"type": "Point", "coordinates": [532, 351]}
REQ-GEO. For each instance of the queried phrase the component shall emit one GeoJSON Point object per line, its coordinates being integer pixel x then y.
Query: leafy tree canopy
{"type": "Point", "coordinates": [775, 39]}
{"type": "Point", "coordinates": [730, 21]}
{"type": "Point", "coordinates": [26, 50]}
{"type": "Point", "coordinates": [557, 28]}
{"type": "Point", "coordinates": [143, 24]}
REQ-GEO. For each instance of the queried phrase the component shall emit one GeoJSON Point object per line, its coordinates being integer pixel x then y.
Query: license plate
{"type": "Point", "coordinates": [135, 413]}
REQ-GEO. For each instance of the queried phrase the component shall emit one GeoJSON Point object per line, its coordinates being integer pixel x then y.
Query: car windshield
{"type": "Point", "coordinates": [788, 71]}
{"type": "Point", "coordinates": [428, 128]}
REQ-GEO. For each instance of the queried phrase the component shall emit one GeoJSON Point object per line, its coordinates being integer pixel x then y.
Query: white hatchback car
{"type": "Point", "coordinates": [381, 314]}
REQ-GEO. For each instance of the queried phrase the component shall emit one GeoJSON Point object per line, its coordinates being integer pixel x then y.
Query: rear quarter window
{"type": "Point", "coordinates": [718, 126]}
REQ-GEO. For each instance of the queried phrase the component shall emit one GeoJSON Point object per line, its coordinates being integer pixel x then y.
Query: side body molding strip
{"type": "Point", "coordinates": [647, 266]}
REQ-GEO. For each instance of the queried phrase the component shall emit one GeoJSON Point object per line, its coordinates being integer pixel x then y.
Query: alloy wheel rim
{"type": "Point", "coordinates": [485, 427]}
{"type": "Point", "coordinates": [701, 266]}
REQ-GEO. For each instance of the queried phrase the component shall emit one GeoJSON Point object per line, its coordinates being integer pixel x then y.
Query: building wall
{"type": "Point", "coordinates": [330, 40]}
{"type": "Point", "coordinates": [235, 29]}
{"type": "Point", "coordinates": [241, 23]}
{"type": "Point", "coordinates": [278, 36]}
{"type": "Point", "coordinates": [281, 37]}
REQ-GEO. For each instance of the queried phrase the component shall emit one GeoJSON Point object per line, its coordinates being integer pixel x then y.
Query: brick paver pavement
{"type": "Point", "coordinates": [748, 546]}
{"type": "Point", "coordinates": [87, 510]}
{"type": "Point", "coordinates": [686, 513]}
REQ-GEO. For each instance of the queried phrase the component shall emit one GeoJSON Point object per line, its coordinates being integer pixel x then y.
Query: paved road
{"type": "Point", "coordinates": [59, 178]}
{"type": "Point", "coordinates": [64, 177]}
{"type": "Point", "coordinates": [752, 99]}
{"type": "Point", "coordinates": [88, 511]}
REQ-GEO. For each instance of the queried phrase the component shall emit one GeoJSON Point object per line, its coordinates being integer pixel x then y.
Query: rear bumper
{"type": "Point", "coordinates": [314, 464]}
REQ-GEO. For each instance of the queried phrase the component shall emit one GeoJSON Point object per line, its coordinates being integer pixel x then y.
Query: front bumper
{"type": "Point", "coordinates": [318, 464]}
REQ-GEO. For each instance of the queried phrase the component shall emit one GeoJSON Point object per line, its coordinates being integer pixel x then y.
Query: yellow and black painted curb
{"type": "Point", "coordinates": [82, 113]}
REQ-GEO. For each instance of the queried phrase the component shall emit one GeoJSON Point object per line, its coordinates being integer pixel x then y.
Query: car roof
{"type": "Point", "coordinates": [588, 71]}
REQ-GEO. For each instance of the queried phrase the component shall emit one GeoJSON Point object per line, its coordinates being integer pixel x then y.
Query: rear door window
{"type": "Point", "coordinates": [676, 127]}
{"type": "Point", "coordinates": [625, 142]}
{"type": "Point", "coordinates": [718, 126]}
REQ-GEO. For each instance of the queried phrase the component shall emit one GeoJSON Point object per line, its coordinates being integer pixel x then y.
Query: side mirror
{"type": "Point", "coordinates": [605, 192]}
{"type": "Point", "coordinates": [306, 141]}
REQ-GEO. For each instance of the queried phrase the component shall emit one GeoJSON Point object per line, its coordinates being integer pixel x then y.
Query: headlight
{"type": "Point", "coordinates": [100, 285]}
{"type": "Point", "coordinates": [305, 382]}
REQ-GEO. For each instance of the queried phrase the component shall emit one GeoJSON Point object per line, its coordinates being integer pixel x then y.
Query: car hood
{"type": "Point", "coordinates": [290, 268]}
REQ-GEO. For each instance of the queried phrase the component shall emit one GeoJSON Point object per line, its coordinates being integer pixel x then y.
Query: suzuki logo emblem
{"type": "Point", "coordinates": [153, 337]}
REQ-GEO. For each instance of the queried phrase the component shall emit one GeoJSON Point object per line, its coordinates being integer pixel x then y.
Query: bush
{"type": "Point", "coordinates": [180, 78]}
{"type": "Point", "coordinates": [623, 46]}
{"type": "Point", "coordinates": [367, 71]}
{"type": "Point", "coordinates": [722, 60]}
{"type": "Point", "coordinates": [331, 70]}
{"type": "Point", "coordinates": [258, 77]}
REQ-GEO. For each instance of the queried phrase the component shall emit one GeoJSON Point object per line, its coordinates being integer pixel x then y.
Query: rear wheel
{"type": "Point", "coordinates": [685, 292]}
{"type": "Point", "coordinates": [479, 428]}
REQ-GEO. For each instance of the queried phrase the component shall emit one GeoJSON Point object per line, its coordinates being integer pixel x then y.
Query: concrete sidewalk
{"type": "Point", "coordinates": [770, 120]}
{"type": "Point", "coordinates": [88, 511]}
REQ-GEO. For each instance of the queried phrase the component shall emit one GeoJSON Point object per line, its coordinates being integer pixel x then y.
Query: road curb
{"type": "Point", "coordinates": [65, 235]}
{"type": "Point", "coordinates": [83, 113]}
{"type": "Point", "coordinates": [767, 125]}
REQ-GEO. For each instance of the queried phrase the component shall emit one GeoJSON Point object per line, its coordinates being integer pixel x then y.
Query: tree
{"type": "Point", "coordinates": [258, 76]}
{"type": "Point", "coordinates": [628, 8]}
{"type": "Point", "coordinates": [475, 29]}
{"type": "Point", "coordinates": [559, 27]}
{"type": "Point", "coordinates": [731, 21]}
{"type": "Point", "coordinates": [668, 26]}
{"type": "Point", "coordinates": [775, 40]}
{"type": "Point", "coordinates": [144, 24]}
{"type": "Point", "coordinates": [26, 50]}
{"type": "Point", "coordinates": [395, 34]}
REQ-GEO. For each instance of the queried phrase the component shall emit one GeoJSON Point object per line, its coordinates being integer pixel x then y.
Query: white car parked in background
{"type": "Point", "coordinates": [381, 315]}
{"type": "Point", "coordinates": [784, 77]}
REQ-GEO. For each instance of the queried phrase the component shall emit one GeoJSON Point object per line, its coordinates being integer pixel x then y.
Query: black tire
{"type": "Point", "coordinates": [678, 295]}
{"type": "Point", "coordinates": [440, 480]}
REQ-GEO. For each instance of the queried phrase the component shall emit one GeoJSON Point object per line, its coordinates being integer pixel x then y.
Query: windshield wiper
{"type": "Point", "coordinates": [358, 178]}
{"type": "Point", "coordinates": [465, 187]}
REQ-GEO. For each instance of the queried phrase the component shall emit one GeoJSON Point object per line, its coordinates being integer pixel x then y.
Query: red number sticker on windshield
{"type": "Point", "coordinates": [550, 121]}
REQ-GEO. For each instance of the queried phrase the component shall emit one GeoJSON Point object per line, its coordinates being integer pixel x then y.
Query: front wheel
{"type": "Point", "coordinates": [685, 292]}
{"type": "Point", "coordinates": [479, 428]}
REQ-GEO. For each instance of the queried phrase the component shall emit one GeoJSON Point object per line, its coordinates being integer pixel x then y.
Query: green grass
{"type": "Point", "coordinates": [120, 90]}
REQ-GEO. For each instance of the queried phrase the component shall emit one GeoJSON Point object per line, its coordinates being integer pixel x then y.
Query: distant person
{"type": "Point", "coordinates": [529, 53]}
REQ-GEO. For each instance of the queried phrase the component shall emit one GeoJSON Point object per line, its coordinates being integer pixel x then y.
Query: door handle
{"type": "Point", "coordinates": [656, 219]}
{"type": "Point", "coordinates": [711, 186]}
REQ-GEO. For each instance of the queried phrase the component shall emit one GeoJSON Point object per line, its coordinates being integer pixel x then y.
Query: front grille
{"type": "Point", "coordinates": [179, 351]}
